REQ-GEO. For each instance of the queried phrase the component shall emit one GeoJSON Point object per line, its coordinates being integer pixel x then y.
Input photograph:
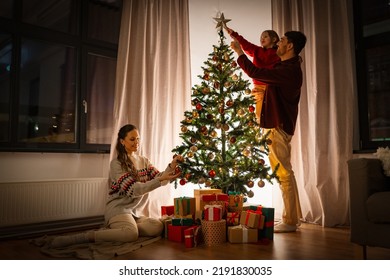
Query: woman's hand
{"type": "Point", "coordinates": [176, 159]}
{"type": "Point", "coordinates": [169, 176]}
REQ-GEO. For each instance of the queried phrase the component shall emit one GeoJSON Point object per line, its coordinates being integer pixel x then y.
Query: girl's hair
{"type": "Point", "coordinates": [274, 37]}
{"type": "Point", "coordinates": [126, 163]}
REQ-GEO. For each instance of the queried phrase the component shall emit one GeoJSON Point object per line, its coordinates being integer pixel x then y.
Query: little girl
{"type": "Point", "coordinates": [264, 56]}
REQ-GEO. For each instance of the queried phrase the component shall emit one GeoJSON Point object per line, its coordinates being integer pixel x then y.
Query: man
{"type": "Point", "coordinates": [279, 114]}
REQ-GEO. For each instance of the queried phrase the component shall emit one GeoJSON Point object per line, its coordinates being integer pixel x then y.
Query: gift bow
{"type": "Point", "coordinates": [244, 232]}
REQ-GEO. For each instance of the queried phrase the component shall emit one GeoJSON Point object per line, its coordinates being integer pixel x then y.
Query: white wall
{"type": "Point", "coordinates": [248, 17]}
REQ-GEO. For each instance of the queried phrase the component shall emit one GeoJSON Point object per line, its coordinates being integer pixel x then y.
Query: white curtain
{"type": "Point", "coordinates": [153, 86]}
{"type": "Point", "coordinates": [322, 143]}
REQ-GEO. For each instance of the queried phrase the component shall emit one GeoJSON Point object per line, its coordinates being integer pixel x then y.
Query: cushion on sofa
{"type": "Point", "coordinates": [378, 207]}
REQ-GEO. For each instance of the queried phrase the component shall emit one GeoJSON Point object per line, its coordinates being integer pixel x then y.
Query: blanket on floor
{"type": "Point", "coordinates": [91, 251]}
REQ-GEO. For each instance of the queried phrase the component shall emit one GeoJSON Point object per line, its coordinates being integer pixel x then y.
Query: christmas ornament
{"type": "Point", "coordinates": [250, 194]}
{"type": "Point", "coordinates": [221, 21]}
{"type": "Point", "coordinates": [261, 184]}
{"type": "Point", "coordinates": [182, 182]}
{"type": "Point", "coordinates": [212, 173]}
{"type": "Point", "coordinates": [250, 184]}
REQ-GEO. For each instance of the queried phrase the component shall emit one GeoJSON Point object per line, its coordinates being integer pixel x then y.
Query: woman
{"type": "Point", "coordinates": [132, 178]}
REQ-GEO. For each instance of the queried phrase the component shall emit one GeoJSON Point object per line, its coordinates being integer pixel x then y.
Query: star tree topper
{"type": "Point", "coordinates": [221, 21]}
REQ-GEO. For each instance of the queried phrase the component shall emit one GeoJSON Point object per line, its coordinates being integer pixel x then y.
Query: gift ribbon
{"type": "Point", "coordinates": [232, 216]}
{"type": "Point", "coordinates": [269, 224]}
{"type": "Point", "coordinates": [244, 234]}
{"type": "Point", "coordinates": [179, 202]}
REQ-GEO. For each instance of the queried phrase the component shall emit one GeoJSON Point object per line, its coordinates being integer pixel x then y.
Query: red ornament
{"type": "Point", "coordinates": [251, 108]}
{"type": "Point", "coordinates": [233, 139]}
{"type": "Point", "coordinates": [182, 182]}
{"type": "Point", "coordinates": [212, 173]}
{"type": "Point", "coordinates": [199, 107]}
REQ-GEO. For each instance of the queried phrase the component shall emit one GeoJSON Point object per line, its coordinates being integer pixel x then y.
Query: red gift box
{"type": "Point", "coordinates": [176, 233]}
{"type": "Point", "coordinates": [215, 197]}
{"type": "Point", "coordinates": [213, 212]}
{"type": "Point", "coordinates": [167, 210]}
{"type": "Point", "coordinates": [192, 236]}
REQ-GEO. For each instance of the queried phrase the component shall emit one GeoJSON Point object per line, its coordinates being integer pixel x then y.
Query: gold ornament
{"type": "Point", "coordinates": [194, 148]}
{"type": "Point", "coordinates": [235, 77]}
{"type": "Point", "coordinates": [184, 129]}
{"type": "Point", "coordinates": [241, 112]}
{"type": "Point", "coordinates": [250, 194]}
{"type": "Point", "coordinates": [201, 180]}
{"type": "Point", "coordinates": [250, 184]}
{"type": "Point", "coordinates": [246, 152]}
{"type": "Point", "coordinates": [261, 184]}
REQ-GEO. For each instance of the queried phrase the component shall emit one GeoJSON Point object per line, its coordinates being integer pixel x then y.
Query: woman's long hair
{"type": "Point", "coordinates": [126, 163]}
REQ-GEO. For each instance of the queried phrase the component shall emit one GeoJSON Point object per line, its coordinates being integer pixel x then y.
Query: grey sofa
{"type": "Point", "coordinates": [369, 203]}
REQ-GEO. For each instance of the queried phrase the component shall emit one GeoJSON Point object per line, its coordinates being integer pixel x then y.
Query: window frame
{"type": "Point", "coordinates": [362, 44]}
{"type": "Point", "coordinates": [82, 45]}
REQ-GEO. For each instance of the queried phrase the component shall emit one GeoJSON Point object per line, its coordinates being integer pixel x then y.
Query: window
{"type": "Point", "coordinates": [372, 35]}
{"type": "Point", "coordinates": [57, 74]}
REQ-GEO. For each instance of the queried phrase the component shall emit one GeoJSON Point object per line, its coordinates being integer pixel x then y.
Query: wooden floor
{"type": "Point", "coordinates": [310, 242]}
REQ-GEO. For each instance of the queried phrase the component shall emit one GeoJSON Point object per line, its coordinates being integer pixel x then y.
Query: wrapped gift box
{"type": "Point", "coordinates": [192, 236]}
{"type": "Point", "coordinates": [167, 210]}
{"type": "Point", "coordinates": [183, 221]}
{"type": "Point", "coordinates": [184, 206]}
{"type": "Point", "coordinates": [200, 204]}
{"type": "Point", "coordinates": [269, 215]}
{"type": "Point", "coordinates": [214, 232]}
{"type": "Point", "coordinates": [236, 202]}
{"type": "Point", "coordinates": [242, 234]}
{"type": "Point", "coordinates": [252, 219]}
{"type": "Point", "coordinates": [233, 218]}
{"type": "Point", "coordinates": [215, 199]}
{"type": "Point", "coordinates": [176, 233]}
{"type": "Point", "coordinates": [213, 212]}
{"type": "Point", "coordinates": [166, 221]}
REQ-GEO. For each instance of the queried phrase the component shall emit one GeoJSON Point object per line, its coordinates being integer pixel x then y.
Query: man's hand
{"type": "Point", "coordinates": [235, 45]}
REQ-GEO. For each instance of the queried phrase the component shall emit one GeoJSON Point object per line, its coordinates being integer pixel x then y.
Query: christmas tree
{"type": "Point", "coordinates": [222, 143]}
